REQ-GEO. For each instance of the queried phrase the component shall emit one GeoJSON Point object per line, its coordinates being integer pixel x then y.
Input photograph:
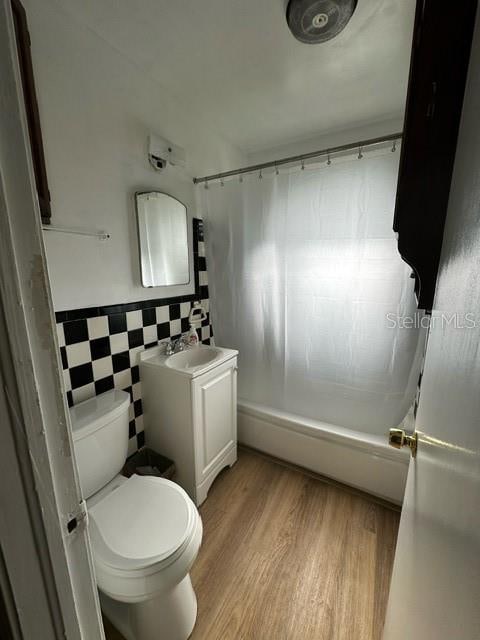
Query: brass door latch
{"type": "Point", "coordinates": [398, 438]}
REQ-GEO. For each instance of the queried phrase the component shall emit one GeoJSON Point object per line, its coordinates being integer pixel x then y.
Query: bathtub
{"type": "Point", "coordinates": [354, 458]}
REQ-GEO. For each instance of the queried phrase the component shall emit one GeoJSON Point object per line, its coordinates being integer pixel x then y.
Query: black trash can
{"type": "Point", "coordinates": [146, 462]}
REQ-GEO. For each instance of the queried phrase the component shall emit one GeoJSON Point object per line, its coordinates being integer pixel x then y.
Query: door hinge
{"type": "Point", "coordinates": [78, 516]}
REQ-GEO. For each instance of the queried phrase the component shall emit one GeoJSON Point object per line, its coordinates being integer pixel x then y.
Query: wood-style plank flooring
{"type": "Point", "coordinates": [286, 556]}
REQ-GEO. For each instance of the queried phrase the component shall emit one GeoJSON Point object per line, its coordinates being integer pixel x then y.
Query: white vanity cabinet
{"type": "Point", "coordinates": [214, 397]}
{"type": "Point", "coordinates": [190, 412]}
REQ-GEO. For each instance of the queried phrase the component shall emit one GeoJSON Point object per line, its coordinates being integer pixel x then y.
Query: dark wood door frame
{"type": "Point", "coordinates": [31, 107]}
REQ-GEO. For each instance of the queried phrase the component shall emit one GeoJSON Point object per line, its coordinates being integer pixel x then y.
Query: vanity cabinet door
{"type": "Point", "coordinates": [215, 417]}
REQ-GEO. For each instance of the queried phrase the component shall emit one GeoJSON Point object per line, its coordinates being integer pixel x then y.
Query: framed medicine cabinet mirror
{"type": "Point", "coordinates": [165, 244]}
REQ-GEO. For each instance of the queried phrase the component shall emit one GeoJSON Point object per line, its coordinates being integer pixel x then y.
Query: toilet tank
{"type": "Point", "coordinates": [100, 438]}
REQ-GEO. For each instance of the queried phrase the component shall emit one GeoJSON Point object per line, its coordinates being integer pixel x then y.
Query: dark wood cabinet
{"type": "Point", "coordinates": [31, 108]}
{"type": "Point", "coordinates": [440, 55]}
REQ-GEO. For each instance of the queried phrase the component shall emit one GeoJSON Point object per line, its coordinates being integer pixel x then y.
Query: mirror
{"type": "Point", "coordinates": [163, 239]}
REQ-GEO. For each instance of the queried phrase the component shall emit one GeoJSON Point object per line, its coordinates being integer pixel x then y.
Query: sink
{"type": "Point", "coordinates": [191, 363]}
{"type": "Point", "coordinates": [192, 358]}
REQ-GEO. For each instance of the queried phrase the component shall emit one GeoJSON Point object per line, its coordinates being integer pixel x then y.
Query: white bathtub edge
{"type": "Point", "coordinates": [361, 461]}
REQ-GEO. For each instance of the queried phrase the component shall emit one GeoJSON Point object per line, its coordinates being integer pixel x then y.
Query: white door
{"type": "Point", "coordinates": [46, 575]}
{"type": "Point", "coordinates": [215, 411]}
{"type": "Point", "coordinates": [435, 591]}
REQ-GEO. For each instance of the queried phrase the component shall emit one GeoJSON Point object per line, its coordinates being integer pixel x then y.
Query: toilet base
{"type": "Point", "coordinates": [169, 616]}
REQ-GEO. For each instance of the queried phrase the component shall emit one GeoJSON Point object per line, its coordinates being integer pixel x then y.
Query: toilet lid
{"type": "Point", "coordinates": [144, 521]}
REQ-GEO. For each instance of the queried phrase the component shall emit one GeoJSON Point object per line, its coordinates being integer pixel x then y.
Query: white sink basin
{"type": "Point", "coordinates": [192, 358]}
{"type": "Point", "coordinates": [191, 363]}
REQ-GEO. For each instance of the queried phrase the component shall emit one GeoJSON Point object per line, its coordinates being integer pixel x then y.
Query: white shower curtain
{"type": "Point", "coordinates": [303, 270]}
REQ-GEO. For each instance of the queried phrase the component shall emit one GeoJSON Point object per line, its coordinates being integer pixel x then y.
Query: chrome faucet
{"type": "Point", "coordinates": [174, 346]}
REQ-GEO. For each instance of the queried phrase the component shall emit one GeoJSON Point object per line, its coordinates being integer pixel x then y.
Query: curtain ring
{"type": "Point", "coordinates": [360, 154]}
{"type": "Point", "coordinates": [222, 183]}
{"type": "Point", "coordinates": [329, 162]}
{"type": "Point", "coordinates": [394, 146]}
{"type": "Point", "coordinates": [240, 179]}
{"type": "Point", "coordinates": [206, 185]}
{"type": "Point", "coordinates": [277, 172]}
{"type": "Point", "coordinates": [303, 165]}
{"type": "Point", "coordinates": [260, 176]}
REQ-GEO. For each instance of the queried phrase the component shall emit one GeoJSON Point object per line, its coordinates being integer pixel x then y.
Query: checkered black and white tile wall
{"type": "Point", "coordinates": [99, 345]}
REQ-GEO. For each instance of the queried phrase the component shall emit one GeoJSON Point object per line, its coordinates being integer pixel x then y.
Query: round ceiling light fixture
{"type": "Point", "coordinates": [315, 21]}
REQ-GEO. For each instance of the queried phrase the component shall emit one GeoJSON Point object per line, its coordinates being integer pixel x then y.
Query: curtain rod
{"type": "Point", "coordinates": [304, 156]}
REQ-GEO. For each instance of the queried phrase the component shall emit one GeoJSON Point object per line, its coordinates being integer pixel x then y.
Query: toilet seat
{"type": "Point", "coordinates": [145, 533]}
{"type": "Point", "coordinates": [145, 521]}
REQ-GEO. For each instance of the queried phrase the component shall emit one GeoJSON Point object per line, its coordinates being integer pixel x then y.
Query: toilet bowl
{"type": "Point", "coordinates": [145, 531]}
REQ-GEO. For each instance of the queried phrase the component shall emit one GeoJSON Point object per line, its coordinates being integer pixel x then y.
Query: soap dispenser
{"type": "Point", "coordinates": [192, 337]}
{"type": "Point", "coordinates": [195, 317]}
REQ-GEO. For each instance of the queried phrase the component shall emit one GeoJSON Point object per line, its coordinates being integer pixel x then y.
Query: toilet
{"type": "Point", "coordinates": [145, 531]}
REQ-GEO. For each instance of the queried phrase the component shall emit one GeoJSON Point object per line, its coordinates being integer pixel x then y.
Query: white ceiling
{"type": "Point", "coordinates": [236, 63]}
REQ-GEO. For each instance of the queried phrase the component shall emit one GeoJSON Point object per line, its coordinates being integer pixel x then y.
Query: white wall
{"type": "Point", "coordinates": [96, 109]}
